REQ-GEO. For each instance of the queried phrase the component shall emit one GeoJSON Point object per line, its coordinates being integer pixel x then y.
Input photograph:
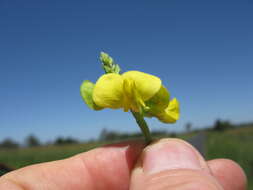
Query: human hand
{"type": "Point", "coordinates": [165, 164]}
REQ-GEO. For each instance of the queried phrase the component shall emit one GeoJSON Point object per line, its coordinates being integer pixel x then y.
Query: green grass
{"type": "Point", "coordinates": [21, 157]}
{"type": "Point", "coordinates": [235, 144]}
{"type": "Point", "coordinates": [25, 156]}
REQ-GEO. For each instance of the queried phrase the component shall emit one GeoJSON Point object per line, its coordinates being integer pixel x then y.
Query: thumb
{"type": "Point", "coordinates": [172, 164]}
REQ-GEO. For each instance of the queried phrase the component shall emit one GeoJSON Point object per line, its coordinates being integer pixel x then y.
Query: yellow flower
{"type": "Point", "coordinates": [133, 90]}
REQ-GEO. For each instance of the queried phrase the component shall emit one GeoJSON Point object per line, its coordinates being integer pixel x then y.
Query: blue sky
{"type": "Point", "coordinates": [202, 50]}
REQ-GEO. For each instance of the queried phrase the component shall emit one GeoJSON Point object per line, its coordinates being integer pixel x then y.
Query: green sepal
{"type": "Point", "coordinates": [158, 103]}
{"type": "Point", "coordinates": [86, 91]}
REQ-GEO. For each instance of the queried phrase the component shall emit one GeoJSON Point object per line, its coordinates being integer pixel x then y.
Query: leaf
{"type": "Point", "coordinates": [86, 91]}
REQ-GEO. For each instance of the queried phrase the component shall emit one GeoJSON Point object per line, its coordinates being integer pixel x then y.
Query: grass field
{"type": "Point", "coordinates": [17, 158]}
{"type": "Point", "coordinates": [235, 144]}
{"type": "Point", "coordinates": [25, 156]}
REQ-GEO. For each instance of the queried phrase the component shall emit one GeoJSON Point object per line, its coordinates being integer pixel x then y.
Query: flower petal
{"type": "Point", "coordinates": [146, 84]}
{"type": "Point", "coordinates": [86, 91]}
{"type": "Point", "coordinates": [108, 91]}
{"type": "Point", "coordinates": [159, 102]}
{"type": "Point", "coordinates": [132, 98]}
{"type": "Point", "coordinates": [171, 113]}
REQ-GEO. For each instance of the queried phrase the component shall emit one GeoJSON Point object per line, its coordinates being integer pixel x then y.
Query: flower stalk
{"type": "Point", "coordinates": [143, 126]}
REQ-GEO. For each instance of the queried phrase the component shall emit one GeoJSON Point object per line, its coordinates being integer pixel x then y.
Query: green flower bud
{"type": "Point", "coordinates": [108, 64]}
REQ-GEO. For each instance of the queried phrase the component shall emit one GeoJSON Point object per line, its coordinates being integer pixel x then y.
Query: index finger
{"type": "Point", "coordinates": [107, 167]}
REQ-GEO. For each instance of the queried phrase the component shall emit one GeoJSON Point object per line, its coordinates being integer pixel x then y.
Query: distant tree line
{"type": "Point", "coordinates": [220, 125]}
{"type": "Point", "coordinates": [33, 141]}
{"type": "Point", "coordinates": [105, 135]}
{"type": "Point", "coordinates": [9, 143]}
{"type": "Point", "coordinates": [110, 135]}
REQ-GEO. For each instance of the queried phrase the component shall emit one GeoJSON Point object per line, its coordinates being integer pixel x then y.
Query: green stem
{"type": "Point", "coordinates": [143, 126]}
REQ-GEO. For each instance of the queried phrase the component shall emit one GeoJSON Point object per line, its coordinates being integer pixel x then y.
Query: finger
{"type": "Point", "coordinates": [229, 174]}
{"type": "Point", "coordinates": [172, 164]}
{"type": "Point", "coordinates": [102, 168]}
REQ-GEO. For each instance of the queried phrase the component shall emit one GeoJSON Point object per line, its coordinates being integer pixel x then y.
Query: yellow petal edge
{"type": "Point", "coordinates": [171, 114]}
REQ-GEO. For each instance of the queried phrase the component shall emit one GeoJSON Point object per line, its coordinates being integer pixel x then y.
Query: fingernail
{"type": "Point", "coordinates": [169, 155]}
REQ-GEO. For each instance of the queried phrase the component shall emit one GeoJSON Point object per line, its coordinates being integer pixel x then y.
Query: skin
{"type": "Point", "coordinates": [114, 167]}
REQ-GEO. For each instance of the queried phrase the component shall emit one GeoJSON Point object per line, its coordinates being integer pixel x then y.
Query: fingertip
{"type": "Point", "coordinates": [173, 146]}
{"type": "Point", "coordinates": [230, 174]}
{"type": "Point", "coordinates": [171, 164]}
